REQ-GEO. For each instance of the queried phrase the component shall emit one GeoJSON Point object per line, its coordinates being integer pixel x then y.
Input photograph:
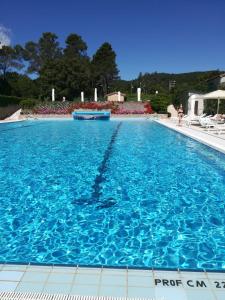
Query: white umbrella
{"type": "Point", "coordinates": [217, 95]}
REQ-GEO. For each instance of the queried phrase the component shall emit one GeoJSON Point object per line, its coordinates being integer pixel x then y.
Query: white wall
{"type": "Point", "coordinates": [191, 104]}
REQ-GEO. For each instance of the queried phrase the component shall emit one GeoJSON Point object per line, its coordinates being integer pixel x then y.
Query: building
{"type": "Point", "coordinates": [116, 97]}
{"type": "Point", "coordinates": [215, 83]}
{"type": "Point", "coordinates": [195, 104]}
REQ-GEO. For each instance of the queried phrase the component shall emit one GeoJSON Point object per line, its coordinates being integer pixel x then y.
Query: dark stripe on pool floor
{"type": "Point", "coordinates": [103, 167]}
{"type": "Point", "coordinates": [96, 194]}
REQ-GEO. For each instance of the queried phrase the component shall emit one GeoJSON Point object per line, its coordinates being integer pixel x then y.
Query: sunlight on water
{"type": "Point", "coordinates": [97, 193]}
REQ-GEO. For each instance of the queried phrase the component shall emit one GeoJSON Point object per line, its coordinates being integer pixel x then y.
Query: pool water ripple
{"type": "Point", "coordinates": [159, 203]}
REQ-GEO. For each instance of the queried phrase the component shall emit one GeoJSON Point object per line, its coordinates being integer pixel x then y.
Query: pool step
{"type": "Point", "coordinates": [41, 296]}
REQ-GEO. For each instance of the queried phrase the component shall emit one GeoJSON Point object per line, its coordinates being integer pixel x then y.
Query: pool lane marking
{"type": "Point", "coordinates": [103, 166]}
{"type": "Point", "coordinates": [95, 196]}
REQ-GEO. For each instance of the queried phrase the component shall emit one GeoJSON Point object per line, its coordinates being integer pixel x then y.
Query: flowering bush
{"type": "Point", "coordinates": [68, 107]}
{"type": "Point", "coordinates": [94, 106]}
{"type": "Point", "coordinates": [63, 108]}
{"type": "Point", "coordinates": [52, 108]}
{"type": "Point", "coordinates": [148, 108]}
{"type": "Point", "coordinates": [128, 111]}
{"type": "Point", "coordinates": [49, 111]}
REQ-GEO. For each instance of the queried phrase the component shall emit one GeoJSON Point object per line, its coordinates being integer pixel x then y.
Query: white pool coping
{"type": "Point", "coordinates": [12, 121]}
{"type": "Point", "coordinates": [66, 118]}
{"type": "Point", "coordinates": [108, 282]}
{"type": "Point", "coordinates": [198, 134]}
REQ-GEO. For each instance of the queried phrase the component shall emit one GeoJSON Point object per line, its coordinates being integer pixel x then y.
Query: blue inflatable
{"type": "Point", "coordinates": [91, 115]}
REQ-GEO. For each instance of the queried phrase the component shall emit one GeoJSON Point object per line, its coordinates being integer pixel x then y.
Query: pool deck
{"type": "Point", "coordinates": [12, 121]}
{"type": "Point", "coordinates": [97, 282]}
{"type": "Point", "coordinates": [69, 117]}
{"type": "Point", "coordinates": [197, 133]}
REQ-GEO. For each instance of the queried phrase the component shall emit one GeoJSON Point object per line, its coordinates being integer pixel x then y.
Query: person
{"type": "Point", "coordinates": [180, 114]}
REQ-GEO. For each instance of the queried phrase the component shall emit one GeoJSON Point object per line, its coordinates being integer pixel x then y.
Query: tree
{"type": "Point", "coordinates": [75, 47]}
{"type": "Point", "coordinates": [43, 58]}
{"type": "Point", "coordinates": [44, 51]}
{"type": "Point", "coordinates": [77, 66]}
{"type": "Point", "coordinates": [50, 77]}
{"type": "Point", "coordinates": [104, 67]}
{"type": "Point", "coordinates": [160, 102]}
{"type": "Point", "coordinates": [140, 77]}
{"type": "Point", "coordinates": [5, 88]}
{"type": "Point", "coordinates": [70, 74]}
{"type": "Point", "coordinates": [10, 58]}
{"type": "Point", "coordinates": [22, 86]}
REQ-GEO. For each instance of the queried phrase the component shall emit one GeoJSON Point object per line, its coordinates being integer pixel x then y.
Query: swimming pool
{"type": "Point", "coordinates": [116, 193]}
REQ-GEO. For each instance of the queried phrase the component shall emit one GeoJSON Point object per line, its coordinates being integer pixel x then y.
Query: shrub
{"type": "Point", "coordinates": [160, 102]}
{"type": "Point", "coordinates": [122, 111]}
{"type": "Point", "coordinates": [52, 108]}
{"type": "Point", "coordinates": [9, 100]}
{"type": "Point", "coordinates": [27, 104]}
{"type": "Point", "coordinates": [69, 107]}
{"type": "Point", "coordinates": [148, 108]}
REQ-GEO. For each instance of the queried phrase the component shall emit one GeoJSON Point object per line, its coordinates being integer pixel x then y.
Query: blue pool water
{"type": "Point", "coordinates": [116, 193]}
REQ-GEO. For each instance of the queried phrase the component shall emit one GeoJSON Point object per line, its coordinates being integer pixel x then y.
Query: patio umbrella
{"type": "Point", "coordinates": [217, 95]}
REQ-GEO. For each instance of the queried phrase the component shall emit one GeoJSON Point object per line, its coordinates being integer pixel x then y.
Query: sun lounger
{"type": "Point", "coordinates": [206, 122]}
{"type": "Point", "coordinates": [220, 129]}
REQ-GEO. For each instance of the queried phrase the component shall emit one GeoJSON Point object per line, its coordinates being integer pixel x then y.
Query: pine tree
{"type": "Point", "coordinates": [45, 51]}
{"type": "Point", "coordinates": [104, 67]}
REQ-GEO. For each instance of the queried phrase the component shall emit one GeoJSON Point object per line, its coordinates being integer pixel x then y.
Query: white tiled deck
{"type": "Point", "coordinates": [150, 284]}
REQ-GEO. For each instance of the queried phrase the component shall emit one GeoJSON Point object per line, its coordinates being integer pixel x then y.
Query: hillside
{"type": "Point", "coordinates": [151, 82]}
{"type": "Point", "coordinates": [173, 87]}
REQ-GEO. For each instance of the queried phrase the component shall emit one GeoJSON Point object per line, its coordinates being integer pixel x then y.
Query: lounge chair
{"type": "Point", "coordinates": [218, 118]}
{"type": "Point", "coordinates": [192, 120]}
{"type": "Point", "coordinates": [207, 123]}
{"type": "Point", "coordinates": [220, 129]}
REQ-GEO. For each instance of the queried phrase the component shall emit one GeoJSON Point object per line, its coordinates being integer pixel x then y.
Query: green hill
{"type": "Point", "coordinates": [172, 88]}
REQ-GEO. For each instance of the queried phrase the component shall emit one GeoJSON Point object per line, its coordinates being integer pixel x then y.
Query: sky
{"type": "Point", "coordinates": [172, 36]}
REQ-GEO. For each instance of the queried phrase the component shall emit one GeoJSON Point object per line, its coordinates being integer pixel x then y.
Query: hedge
{"type": "Point", "coordinates": [9, 100]}
{"type": "Point", "coordinates": [13, 100]}
{"type": "Point", "coordinates": [27, 104]}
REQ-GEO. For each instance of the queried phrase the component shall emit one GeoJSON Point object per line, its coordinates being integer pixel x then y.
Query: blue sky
{"type": "Point", "coordinates": [148, 35]}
